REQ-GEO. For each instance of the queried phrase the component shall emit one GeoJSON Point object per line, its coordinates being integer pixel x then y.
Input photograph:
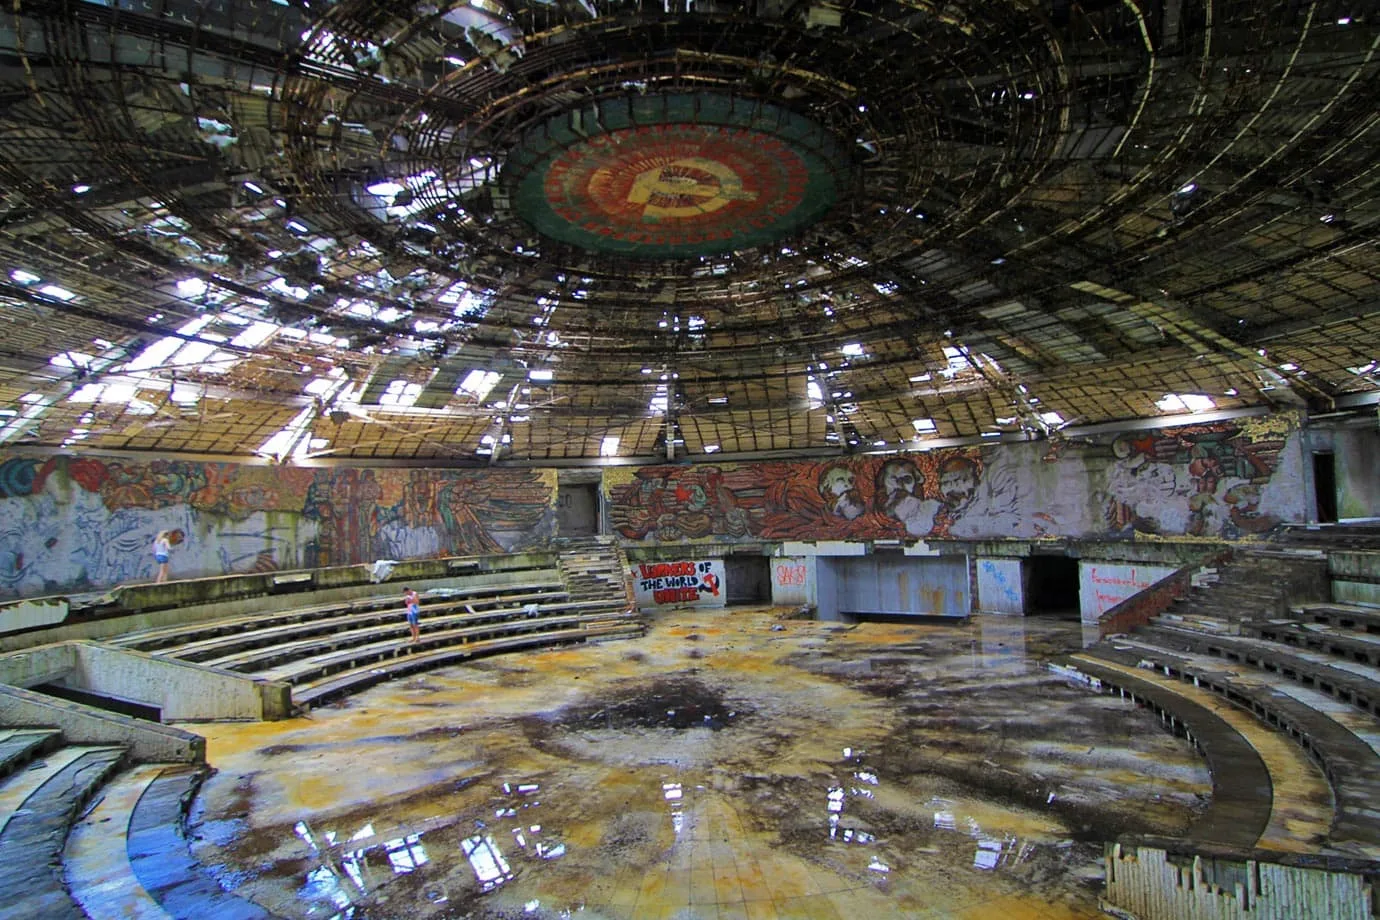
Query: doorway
{"type": "Point", "coordinates": [1325, 486]}
{"type": "Point", "coordinates": [1051, 587]}
{"type": "Point", "coordinates": [577, 509]}
{"type": "Point", "coordinates": [748, 580]}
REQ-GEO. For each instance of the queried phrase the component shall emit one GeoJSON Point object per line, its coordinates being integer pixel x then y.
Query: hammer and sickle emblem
{"type": "Point", "coordinates": [686, 187]}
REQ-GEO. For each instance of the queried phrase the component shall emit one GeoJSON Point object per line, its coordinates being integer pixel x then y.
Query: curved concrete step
{"type": "Point", "coordinates": [128, 859]}
{"type": "Point", "coordinates": [33, 837]}
{"type": "Point", "coordinates": [1351, 682]}
{"type": "Point", "coordinates": [1352, 767]}
{"type": "Point", "coordinates": [159, 638]}
{"type": "Point", "coordinates": [205, 650]}
{"type": "Point", "coordinates": [1242, 788]}
{"type": "Point", "coordinates": [18, 746]}
{"type": "Point", "coordinates": [352, 680]}
{"type": "Point", "coordinates": [335, 659]}
{"type": "Point", "coordinates": [392, 626]}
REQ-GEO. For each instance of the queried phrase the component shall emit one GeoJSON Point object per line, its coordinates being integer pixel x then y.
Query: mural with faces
{"type": "Point", "coordinates": [69, 524]}
{"type": "Point", "coordinates": [1224, 479]}
{"type": "Point", "coordinates": [1227, 479]}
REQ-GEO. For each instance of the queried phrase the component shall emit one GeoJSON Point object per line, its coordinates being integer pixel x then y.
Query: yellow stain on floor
{"type": "Point", "coordinates": [827, 782]}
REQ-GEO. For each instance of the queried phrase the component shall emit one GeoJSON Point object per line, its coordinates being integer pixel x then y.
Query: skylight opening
{"type": "Point", "coordinates": [24, 277]}
{"type": "Point", "coordinates": [72, 360]}
{"type": "Point", "coordinates": [711, 448]}
{"type": "Point", "coordinates": [1185, 402]}
{"type": "Point", "coordinates": [540, 375]}
{"type": "Point", "coordinates": [282, 286]}
{"type": "Point", "coordinates": [608, 447]}
{"type": "Point", "coordinates": [853, 350]}
{"type": "Point", "coordinates": [660, 402]}
{"type": "Point", "coordinates": [1051, 418]}
{"type": "Point", "coordinates": [191, 287]}
{"type": "Point", "coordinates": [279, 446]}
{"type": "Point", "coordinates": [56, 292]}
{"type": "Point", "coordinates": [815, 394]}
{"type": "Point", "coordinates": [87, 393]}
{"type": "Point", "coordinates": [924, 425]}
{"type": "Point", "coordinates": [258, 333]}
{"type": "Point", "coordinates": [400, 393]}
{"type": "Point", "coordinates": [479, 383]}
{"type": "Point", "coordinates": [957, 359]}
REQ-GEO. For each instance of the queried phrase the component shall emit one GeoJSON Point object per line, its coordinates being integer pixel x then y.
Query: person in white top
{"type": "Point", "coordinates": [162, 547]}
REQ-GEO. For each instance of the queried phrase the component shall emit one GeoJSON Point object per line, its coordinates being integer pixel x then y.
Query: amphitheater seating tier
{"type": "Point", "coordinates": [1266, 637]}
{"type": "Point", "coordinates": [38, 802]}
{"type": "Point", "coordinates": [1241, 787]}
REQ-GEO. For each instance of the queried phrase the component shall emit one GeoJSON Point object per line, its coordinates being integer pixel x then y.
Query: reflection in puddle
{"type": "Point", "coordinates": [993, 850]}
{"type": "Point", "coordinates": [487, 859]}
{"type": "Point", "coordinates": [351, 875]}
{"type": "Point", "coordinates": [674, 794]}
{"type": "Point", "coordinates": [348, 876]}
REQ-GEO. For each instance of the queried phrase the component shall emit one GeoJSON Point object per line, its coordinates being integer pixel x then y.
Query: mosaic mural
{"type": "Point", "coordinates": [675, 175]}
{"type": "Point", "coordinates": [75, 523]}
{"type": "Point", "coordinates": [1227, 479]}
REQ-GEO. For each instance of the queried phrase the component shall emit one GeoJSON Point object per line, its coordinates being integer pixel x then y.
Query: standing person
{"type": "Point", "coordinates": [162, 547]}
{"type": "Point", "coordinates": [414, 613]}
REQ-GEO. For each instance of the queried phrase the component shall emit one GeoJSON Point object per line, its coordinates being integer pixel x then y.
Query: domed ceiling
{"type": "Point", "coordinates": [614, 231]}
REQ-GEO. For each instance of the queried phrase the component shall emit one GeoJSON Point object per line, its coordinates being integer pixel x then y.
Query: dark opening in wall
{"type": "Point", "coordinates": [577, 510]}
{"type": "Point", "coordinates": [1325, 485]}
{"type": "Point", "coordinates": [1051, 586]}
{"type": "Point", "coordinates": [124, 707]}
{"type": "Point", "coordinates": [748, 579]}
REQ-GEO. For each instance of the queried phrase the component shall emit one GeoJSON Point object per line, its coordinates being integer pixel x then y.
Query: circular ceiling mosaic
{"type": "Point", "coordinates": [675, 175]}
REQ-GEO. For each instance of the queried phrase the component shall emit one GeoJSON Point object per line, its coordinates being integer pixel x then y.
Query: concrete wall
{"type": "Point", "coordinates": [40, 665]}
{"type": "Point", "coordinates": [148, 742]}
{"type": "Point", "coordinates": [894, 583]}
{"type": "Point", "coordinates": [1355, 577]}
{"type": "Point", "coordinates": [184, 692]}
{"type": "Point", "coordinates": [1000, 587]}
{"type": "Point", "coordinates": [1357, 453]}
{"type": "Point", "coordinates": [679, 583]}
{"type": "Point", "coordinates": [793, 581]}
{"type": "Point", "coordinates": [1102, 585]}
{"type": "Point", "coordinates": [72, 524]}
{"type": "Point", "coordinates": [1221, 480]}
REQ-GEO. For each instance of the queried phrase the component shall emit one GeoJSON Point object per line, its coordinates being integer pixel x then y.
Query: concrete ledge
{"type": "Point", "coordinates": [43, 664]}
{"type": "Point", "coordinates": [183, 692]}
{"type": "Point", "coordinates": [148, 742]}
{"type": "Point", "coordinates": [32, 614]}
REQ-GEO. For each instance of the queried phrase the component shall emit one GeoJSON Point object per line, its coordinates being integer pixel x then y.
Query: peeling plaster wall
{"type": "Point", "coordinates": [1358, 473]}
{"type": "Point", "coordinates": [1221, 479]}
{"type": "Point", "coordinates": [72, 524]}
{"type": "Point", "coordinates": [1000, 586]}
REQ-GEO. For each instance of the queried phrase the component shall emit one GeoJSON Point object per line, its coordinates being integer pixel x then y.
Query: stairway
{"type": "Point", "coordinates": [47, 784]}
{"type": "Point", "coordinates": [596, 569]}
{"type": "Point", "coordinates": [1257, 583]}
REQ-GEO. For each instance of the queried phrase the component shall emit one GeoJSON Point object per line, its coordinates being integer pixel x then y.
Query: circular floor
{"type": "Point", "coordinates": [728, 764]}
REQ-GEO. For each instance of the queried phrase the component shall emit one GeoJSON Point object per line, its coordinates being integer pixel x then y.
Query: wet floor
{"type": "Point", "coordinates": [728, 764]}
